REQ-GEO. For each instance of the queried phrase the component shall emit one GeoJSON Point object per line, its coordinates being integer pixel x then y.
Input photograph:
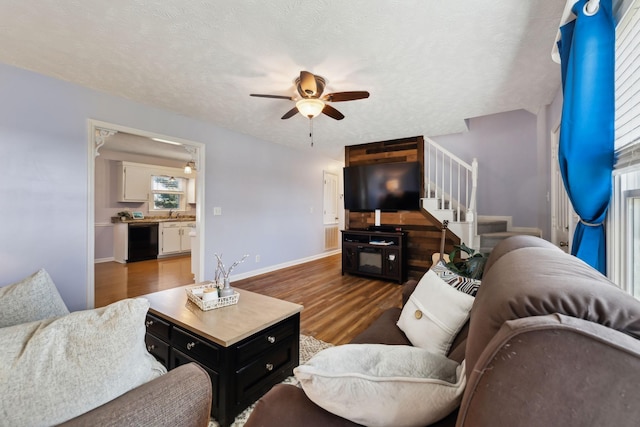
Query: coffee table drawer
{"type": "Point", "coordinates": [264, 341]}
{"type": "Point", "coordinates": [195, 347]}
{"type": "Point", "coordinates": [158, 348]}
{"type": "Point", "coordinates": [255, 376]}
{"type": "Point", "coordinates": [157, 327]}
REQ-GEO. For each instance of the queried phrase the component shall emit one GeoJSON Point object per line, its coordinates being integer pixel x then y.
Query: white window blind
{"type": "Point", "coordinates": [627, 82]}
{"type": "Point", "coordinates": [622, 217]}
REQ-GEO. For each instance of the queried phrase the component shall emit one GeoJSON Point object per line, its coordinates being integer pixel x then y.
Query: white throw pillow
{"type": "Point", "coordinates": [383, 385]}
{"type": "Point", "coordinates": [33, 298]}
{"type": "Point", "coordinates": [56, 369]}
{"type": "Point", "coordinates": [434, 314]}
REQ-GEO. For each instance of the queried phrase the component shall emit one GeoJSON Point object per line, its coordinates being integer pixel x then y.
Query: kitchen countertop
{"type": "Point", "coordinates": [147, 219]}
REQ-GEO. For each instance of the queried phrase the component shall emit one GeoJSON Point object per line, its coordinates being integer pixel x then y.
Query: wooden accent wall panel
{"type": "Point", "coordinates": [424, 231]}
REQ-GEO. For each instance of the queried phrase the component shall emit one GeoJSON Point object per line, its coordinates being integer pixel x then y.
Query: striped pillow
{"type": "Point", "coordinates": [461, 283]}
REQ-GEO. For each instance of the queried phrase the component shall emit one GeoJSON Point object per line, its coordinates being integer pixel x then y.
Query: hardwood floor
{"type": "Point", "coordinates": [336, 307]}
{"type": "Point", "coordinates": [115, 281]}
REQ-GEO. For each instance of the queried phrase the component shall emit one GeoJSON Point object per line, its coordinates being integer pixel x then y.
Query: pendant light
{"type": "Point", "coordinates": [190, 167]}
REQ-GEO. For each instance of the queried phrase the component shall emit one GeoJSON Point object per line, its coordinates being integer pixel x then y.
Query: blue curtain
{"type": "Point", "coordinates": [586, 150]}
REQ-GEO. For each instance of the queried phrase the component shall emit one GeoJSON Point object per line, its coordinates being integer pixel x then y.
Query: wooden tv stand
{"type": "Point", "coordinates": [378, 254]}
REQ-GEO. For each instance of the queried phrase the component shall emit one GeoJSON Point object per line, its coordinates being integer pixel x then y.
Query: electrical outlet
{"type": "Point", "coordinates": [217, 211]}
{"type": "Point", "coordinates": [257, 258]}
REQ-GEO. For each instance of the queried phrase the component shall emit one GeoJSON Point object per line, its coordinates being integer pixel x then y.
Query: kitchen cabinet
{"type": "Point", "coordinates": [133, 183]}
{"type": "Point", "coordinates": [191, 191]}
{"type": "Point", "coordinates": [185, 238]}
{"type": "Point", "coordinates": [121, 242]}
{"type": "Point", "coordinates": [175, 237]}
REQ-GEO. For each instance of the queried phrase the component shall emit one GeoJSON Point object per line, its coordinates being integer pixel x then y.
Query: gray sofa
{"type": "Point", "coordinates": [90, 367]}
{"type": "Point", "coordinates": [181, 397]}
{"type": "Point", "coordinates": [550, 342]}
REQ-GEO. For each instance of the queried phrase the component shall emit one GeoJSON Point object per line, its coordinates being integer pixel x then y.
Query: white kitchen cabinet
{"type": "Point", "coordinates": [171, 241]}
{"type": "Point", "coordinates": [134, 182]}
{"type": "Point", "coordinates": [175, 237]}
{"type": "Point", "coordinates": [121, 242]}
{"type": "Point", "coordinates": [191, 191]}
{"type": "Point", "coordinates": [186, 228]}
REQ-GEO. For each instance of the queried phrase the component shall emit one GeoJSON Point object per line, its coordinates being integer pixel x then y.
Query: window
{"type": "Point", "coordinates": [167, 193]}
{"type": "Point", "coordinates": [623, 225]}
{"type": "Point", "coordinates": [627, 85]}
{"type": "Point", "coordinates": [634, 244]}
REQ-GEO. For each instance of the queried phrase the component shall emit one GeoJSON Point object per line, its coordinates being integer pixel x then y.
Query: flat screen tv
{"type": "Point", "coordinates": [382, 186]}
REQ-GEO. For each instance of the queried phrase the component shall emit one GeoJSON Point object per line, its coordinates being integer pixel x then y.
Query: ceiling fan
{"type": "Point", "coordinates": [311, 102]}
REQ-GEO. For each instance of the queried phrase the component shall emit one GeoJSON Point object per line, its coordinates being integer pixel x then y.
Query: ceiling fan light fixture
{"type": "Point", "coordinates": [310, 107]}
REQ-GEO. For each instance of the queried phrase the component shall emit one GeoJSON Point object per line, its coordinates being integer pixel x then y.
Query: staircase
{"type": "Point", "coordinates": [493, 230]}
{"type": "Point", "coordinates": [450, 191]}
{"type": "Point", "coordinates": [450, 194]}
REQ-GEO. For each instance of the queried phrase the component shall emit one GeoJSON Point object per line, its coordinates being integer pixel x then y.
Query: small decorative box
{"type": "Point", "coordinates": [194, 293]}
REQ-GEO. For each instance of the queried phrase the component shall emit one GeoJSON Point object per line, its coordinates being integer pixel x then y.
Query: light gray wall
{"type": "Point", "coordinates": [266, 191]}
{"type": "Point", "coordinates": [270, 195]}
{"type": "Point", "coordinates": [509, 165]}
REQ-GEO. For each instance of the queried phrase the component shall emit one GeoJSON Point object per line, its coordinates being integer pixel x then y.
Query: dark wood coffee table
{"type": "Point", "coordinates": [246, 348]}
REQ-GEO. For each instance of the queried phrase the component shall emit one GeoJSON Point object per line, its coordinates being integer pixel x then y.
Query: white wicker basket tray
{"type": "Point", "coordinates": [210, 305]}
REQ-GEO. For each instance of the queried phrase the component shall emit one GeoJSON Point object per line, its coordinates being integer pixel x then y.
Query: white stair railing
{"type": "Point", "coordinates": [451, 185]}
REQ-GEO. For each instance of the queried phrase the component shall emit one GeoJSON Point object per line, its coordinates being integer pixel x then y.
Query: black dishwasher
{"type": "Point", "coordinates": [143, 241]}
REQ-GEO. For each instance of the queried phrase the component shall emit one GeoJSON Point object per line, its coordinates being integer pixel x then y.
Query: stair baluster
{"type": "Point", "coordinates": [451, 191]}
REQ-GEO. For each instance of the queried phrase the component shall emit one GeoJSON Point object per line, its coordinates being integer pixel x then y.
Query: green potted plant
{"type": "Point", "coordinates": [124, 215]}
{"type": "Point", "coordinates": [472, 266]}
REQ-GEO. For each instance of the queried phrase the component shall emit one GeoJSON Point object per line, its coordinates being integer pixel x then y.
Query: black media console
{"type": "Point", "coordinates": [378, 254]}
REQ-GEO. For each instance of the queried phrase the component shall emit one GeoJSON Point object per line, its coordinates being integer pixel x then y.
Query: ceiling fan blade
{"type": "Point", "coordinates": [345, 96]}
{"type": "Point", "coordinates": [259, 95]}
{"type": "Point", "coordinates": [332, 112]}
{"type": "Point", "coordinates": [290, 113]}
{"type": "Point", "coordinates": [308, 83]}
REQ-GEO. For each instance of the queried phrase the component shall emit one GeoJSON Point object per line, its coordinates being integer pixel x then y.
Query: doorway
{"type": "Point", "coordinates": [99, 137]}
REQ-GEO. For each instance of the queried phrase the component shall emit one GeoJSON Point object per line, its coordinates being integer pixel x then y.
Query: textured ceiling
{"type": "Point", "coordinates": [428, 64]}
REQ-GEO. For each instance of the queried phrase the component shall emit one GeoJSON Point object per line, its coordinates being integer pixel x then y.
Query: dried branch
{"type": "Point", "coordinates": [221, 269]}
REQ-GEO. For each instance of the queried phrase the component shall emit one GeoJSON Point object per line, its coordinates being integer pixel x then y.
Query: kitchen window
{"type": "Point", "coordinates": [167, 193]}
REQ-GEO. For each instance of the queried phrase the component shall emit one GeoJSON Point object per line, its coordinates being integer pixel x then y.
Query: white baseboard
{"type": "Point", "coordinates": [283, 265]}
{"type": "Point", "coordinates": [100, 260]}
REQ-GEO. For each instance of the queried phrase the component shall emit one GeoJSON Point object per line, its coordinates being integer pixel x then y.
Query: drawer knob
{"type": "Point", "coordinates": [191, 345]}
{"type": "Point", "coordinates": [269, 367]}
{"type": "Point", "coordinates": [148, 323]}
{"type": "Point", "coordinates": [150, 348]}
{"type": "Point", "coordinates": [271, 339]}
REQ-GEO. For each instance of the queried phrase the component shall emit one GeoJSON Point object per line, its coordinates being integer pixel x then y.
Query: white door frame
{"type": "Point", "coordinates": [563, 217]}
{"type": "Point", "coordinates": [330, 198]}
{"type": "Point", "coordinates": [98, 132]}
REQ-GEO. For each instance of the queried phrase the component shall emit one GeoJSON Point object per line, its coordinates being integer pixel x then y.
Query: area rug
{"type": "Point", "coordinates": [309, 346]}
